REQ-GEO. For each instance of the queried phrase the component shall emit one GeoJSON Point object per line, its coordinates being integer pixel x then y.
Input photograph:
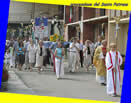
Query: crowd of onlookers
{"type": "Point", "coordinates": [24, 51]}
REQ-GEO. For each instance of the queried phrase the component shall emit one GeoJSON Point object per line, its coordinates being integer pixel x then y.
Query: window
{"type": "Point", "coordinates": [79, 13]}
{"type": "Point", "coordinates": [102, 12]}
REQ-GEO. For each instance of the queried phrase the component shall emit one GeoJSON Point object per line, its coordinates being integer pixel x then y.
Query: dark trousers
{"type": "Point", "coordinates": [81, 58]}
{"type": "Point", "coordinates": [46, 58]}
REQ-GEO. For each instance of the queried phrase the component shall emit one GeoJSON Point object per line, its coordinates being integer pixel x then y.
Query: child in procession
{"type": "Point", "coordinates": [7, 58]}
{"type": "Point", "coordinates": [12, 60]}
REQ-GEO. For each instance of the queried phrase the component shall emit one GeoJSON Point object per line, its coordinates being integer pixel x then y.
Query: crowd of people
{"type": "Point", "coordinates": [32, 54]}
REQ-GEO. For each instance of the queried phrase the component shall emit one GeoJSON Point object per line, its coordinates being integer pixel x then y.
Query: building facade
{"type": "Point", "coordinates": [24, 12]}
{"type": "Point", "coordinates": [21, 13]}
{"type": "Point", "coordinates": [92, 22]}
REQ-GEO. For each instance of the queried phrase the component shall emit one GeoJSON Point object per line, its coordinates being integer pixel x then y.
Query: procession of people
{"type": "Point", "coordinates": [25, 54]}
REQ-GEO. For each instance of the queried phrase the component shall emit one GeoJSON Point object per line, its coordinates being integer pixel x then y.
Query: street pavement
{"type": "Point", "coordinates": [81, 84]}
{"type": "Point", "coordinates": [16, 85]}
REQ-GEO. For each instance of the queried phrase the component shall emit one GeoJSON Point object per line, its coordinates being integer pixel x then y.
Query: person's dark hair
{"type": "Point", "coordinates": [21, 44]}
{"type": "Point", "coordinates": [11, 45]}
{"type": "Point", "coordinates": [8, 50]}
{"type": "Point", "coordinates": [59, 43]}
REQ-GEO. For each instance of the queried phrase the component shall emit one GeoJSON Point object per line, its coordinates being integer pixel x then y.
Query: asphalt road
{"type": "Point", "coordinates": [80, 85]}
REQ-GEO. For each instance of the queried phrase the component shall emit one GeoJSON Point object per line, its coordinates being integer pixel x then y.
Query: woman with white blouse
{"type": "Point", "coordinates": [40, 53]}
{"type": "Point", "coordinates": [32, 54]}
{"type": "Point", "coordinates": [87, 55]}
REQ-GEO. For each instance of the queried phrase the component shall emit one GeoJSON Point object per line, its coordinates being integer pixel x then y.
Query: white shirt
{"type": "Point", "coordinates": [81, 46]}
{"type": "Point", "coordinates": [74, 49]}
{"type": "Point", "coordinates": [31, 50]}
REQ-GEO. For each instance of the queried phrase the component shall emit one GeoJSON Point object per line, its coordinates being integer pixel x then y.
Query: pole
{"type": "Point", "coordinates": [32, 30]}
{"type": "Point", "coordinates": [60, 63]}
{"type": "Point", "coordinates": [60, 66]}
{"type": "Point", "coordinates": [116, 60]}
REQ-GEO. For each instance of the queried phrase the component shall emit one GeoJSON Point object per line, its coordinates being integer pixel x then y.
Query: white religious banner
{"type": "Point", "coordinates": [41, 28]}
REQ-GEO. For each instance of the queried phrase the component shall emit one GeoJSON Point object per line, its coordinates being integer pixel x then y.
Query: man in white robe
{"type": "Point", "coordinates": [113, 62]}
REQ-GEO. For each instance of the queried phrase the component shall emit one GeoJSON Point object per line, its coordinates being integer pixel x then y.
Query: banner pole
{"type": "Point", "coordinates": [117, 19]}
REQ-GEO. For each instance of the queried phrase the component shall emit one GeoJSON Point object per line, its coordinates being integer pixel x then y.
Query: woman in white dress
{"type": "Point", "coordinates": [87, 54]}
{"type": "Point", "coordinates": [40, 53]}
{"type": "Point", "coordinates": [32, 52]}
{"type": "Point", "coordinates": [59, 53]}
